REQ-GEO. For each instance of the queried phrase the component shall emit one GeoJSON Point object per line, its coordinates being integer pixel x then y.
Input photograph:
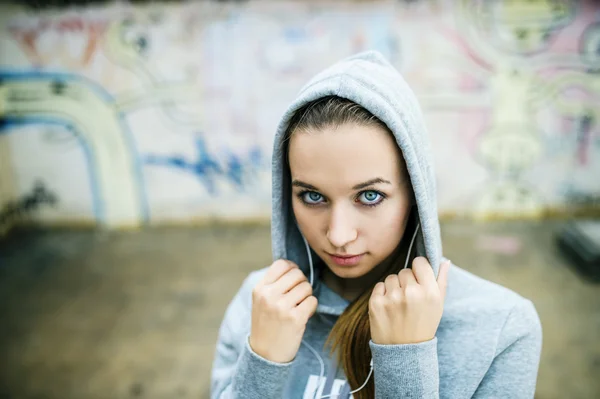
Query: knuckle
{"type": "Point", "coordinates": [432, 295]}
{"type": "Point", "coordinates": [412, 293]}
{"type": "Point", "coordinates": [395, 296]}
{"type": "Point", "coordinates": [306, 288]}
{"type": "Point", "coordinates": [391, 282]}
{"type": "Point", "coordinates": [297, 273]}
{"type": "Point", "coordinates": [407, 271]}
{"type": "Point", "coordinates": [311, 302]}
{"type": "Point", "coordinates": [376, 302]}
{"type": "Point", "coordinates": [404, 273]}
{"type": "Point", "coordinates": [258, 293]}
{"type": "Point", "coordinates": [267, 303]}
{"type": "Point", "coordinates": [315, 302]}
{"type": "Point", "coordinates": [419, 261]}
{"type": "Point", "coordinates": [280, 308]}
{"type": "Point", "coordinates": [289, 317]}
{"type": "Point", "coordinates": [279, 264]}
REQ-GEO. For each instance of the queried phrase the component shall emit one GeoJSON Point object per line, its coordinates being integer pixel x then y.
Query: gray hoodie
{"type": "Point", "coordinates": [489, 339]}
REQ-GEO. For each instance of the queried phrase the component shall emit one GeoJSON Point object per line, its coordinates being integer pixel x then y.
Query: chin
{"type": "Point", "coordinates": [355, 271]}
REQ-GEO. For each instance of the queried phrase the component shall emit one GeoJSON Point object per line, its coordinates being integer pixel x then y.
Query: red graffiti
{"type": "Point", "coordinates": [28, 39]}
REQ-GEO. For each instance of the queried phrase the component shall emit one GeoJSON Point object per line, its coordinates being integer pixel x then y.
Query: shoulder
{"type": "Point", "coordinates": [488, 310]}
{"type": "Point", "coordinates": [489, 338]}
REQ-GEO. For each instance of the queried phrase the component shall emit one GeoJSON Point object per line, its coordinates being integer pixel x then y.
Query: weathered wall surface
{"type": "Point", "coordinates": [165, 113]}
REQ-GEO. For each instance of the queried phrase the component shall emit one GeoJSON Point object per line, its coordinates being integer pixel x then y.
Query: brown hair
{"type": "Point", "coordinates": [351, 333]}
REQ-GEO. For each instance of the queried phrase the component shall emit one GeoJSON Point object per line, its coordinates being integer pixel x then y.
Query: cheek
{"type": "Point", "coordinates": [391, 225]}
{"type": "Point", "coordinates": [307, 220]}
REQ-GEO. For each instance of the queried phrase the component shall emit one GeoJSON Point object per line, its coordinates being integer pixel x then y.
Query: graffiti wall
{"type": "Point", "coordinates": [127, 115]}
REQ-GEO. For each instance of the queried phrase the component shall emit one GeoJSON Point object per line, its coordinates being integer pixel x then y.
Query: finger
{"type": "Point", "coordinates": [442, 279]}
{"type": "Point", "coordinates": [276, 270]}
{"type": "Point", "coordinates": [406, 277]}
{"type": "Point", "coordinates": [392, 284]}
{"type": "Point", "coordinates": [379, 289]}
{"type": "Point", "coordinates": [288, 281]}
{"type": "Point", "coordinates": [423, 271]}
{"type": "Point", "coordinates": [298, 294]}
{"type": "Point", "coordinates": [307, 307]}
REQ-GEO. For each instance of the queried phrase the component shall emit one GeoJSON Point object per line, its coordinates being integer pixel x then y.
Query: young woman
{"type": "Point", "coordinates": [360, 301]}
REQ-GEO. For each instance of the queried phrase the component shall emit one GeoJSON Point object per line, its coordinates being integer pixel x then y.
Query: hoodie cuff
{"type": "Point", "coordinates": [409, 370]}
{"type": "Point", "coordinates": [259, 377]}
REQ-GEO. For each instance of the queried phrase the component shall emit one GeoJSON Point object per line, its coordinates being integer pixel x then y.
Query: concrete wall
{"type": "Point", "coordinates": [165, 113]}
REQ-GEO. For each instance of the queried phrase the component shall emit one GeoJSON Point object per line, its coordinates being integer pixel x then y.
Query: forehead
{"type": "Point", "coordinates": [344, 155]}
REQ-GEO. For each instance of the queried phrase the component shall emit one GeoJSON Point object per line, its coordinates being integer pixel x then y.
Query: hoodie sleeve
{"type": "Point", "coordinates": [513, 373]}
{"type": "Point", "coordinates": [412, 370]}
{"type": "Point", "coordinates": [406, 371]}
{"type": "Point", "coordinates": [238, 372]}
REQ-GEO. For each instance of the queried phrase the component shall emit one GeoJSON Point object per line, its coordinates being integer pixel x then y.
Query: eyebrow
{"type": "Point", "coordinates": [298, 183]}
{"type": "Point", "coordinates": [377, 180]}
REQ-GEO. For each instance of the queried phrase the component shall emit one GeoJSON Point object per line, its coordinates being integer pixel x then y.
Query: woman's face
{"type": "Point", "coordinates": [350, 195]}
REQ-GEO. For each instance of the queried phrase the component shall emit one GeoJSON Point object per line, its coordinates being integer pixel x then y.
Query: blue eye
{"type": "Point", "coordinates": [370, 197]}
{"type": "Point", "coordinates": [311, 197]}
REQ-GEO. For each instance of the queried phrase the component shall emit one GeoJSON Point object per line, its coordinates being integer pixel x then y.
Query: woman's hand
{"type": "Point", "coordinates": [408, 306]}
{"type": "Point", "coordinates": [282, 303]}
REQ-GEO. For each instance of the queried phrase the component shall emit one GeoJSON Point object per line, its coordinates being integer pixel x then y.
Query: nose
{"type": "Point", "coordinates": [341, 230]}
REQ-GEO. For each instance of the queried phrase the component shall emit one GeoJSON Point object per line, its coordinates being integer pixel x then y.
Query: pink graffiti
{"type": "Point", "coordinates": [462, 44]}
{"type": "Point", "coordinates": [28, 39]}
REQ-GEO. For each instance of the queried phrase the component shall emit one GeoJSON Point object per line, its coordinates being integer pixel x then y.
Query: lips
{"type": "Point", "coordinates": [346, 260]}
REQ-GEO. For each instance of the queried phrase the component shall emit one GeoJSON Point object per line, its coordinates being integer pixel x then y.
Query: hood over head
{"type": "Point", "coordinates": [369, 80]}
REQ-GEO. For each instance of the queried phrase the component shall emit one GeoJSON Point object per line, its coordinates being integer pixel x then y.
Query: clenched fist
{"type": "Point", "coordinates": [282, 303]}
{"type": "Point", "coordinates": [408, 306]}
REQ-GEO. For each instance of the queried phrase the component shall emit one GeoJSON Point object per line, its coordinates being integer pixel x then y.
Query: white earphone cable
{"type": "Point", "coordinates": [310, 348]}
{"type": "Point", "coordinates": [357, 389]}
{"type": "Point", "coordinates": [310, 262]}
{"type": "Point", "coordinates": [411, 245]}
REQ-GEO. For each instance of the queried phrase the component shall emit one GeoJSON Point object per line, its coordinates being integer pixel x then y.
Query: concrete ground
{"type": "Point", "coordinates": [123, 315]}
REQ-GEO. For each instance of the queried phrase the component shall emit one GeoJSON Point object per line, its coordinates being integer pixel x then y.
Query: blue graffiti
{"type": "Point", "coordinates": [208, 167]}
{"type": "Point", "coordinates": [58, 83]}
